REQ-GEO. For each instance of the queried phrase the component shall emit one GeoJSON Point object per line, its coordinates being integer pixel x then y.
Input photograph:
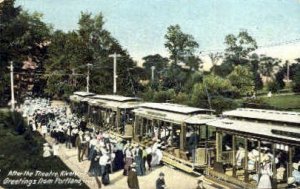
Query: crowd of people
{"type": "Point", "coordinates": [106, 153]}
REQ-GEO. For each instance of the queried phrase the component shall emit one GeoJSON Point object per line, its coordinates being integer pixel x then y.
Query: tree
{"type": "Point", "coordinates": [23, 36]}
{"type": "Point", "coordinates": [254, 67]}
{"type": "Point", "coordinates": [242, 78]}
{"type": "Point", "coordinates": [160, 63]}
{"type": "Point", "coordinates": [295, 75]}
{"type": "Point", "coordinates": [66, 56]}
{"type": "Point", "coordinates": [279, 77]}
{"type": "Point", "coordinates": [214, 58]}
{"type": "Point", "coordinates": [224, 69]}
{"type": "Point", "coordinates": [179, 44]}
{"type": "Point", "coordinates": [174, 78]}
{"type": "Point", "coordinates": [239, 47]}
{"type": "Point", "coordinates": [195, 77]}
{"type": "Point", "coordinates": [293, 67]}
{"type": "Point", "coordinates": [268, 66]}
{"type": "Point", "coordinates": [212, 87]}
{"type": "Point", "coordinates": [296, 80]}
{"type": "Point", "coordinates": [164, 96]}
{"type": "Point", "coordinates": [194, 63]}
{"type": "Point", "coordinates": [93, 44]}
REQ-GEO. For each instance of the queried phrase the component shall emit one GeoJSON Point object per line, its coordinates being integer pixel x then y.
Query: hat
{"type": "Point", "coordinates": [291, 180]}
{"type": "Point", "coordinates": [161, 174]}
{"type": "Point", "coordinates": [133, 164]}
{"type": "Point", "coordinates": [296, 165]}
{"type": "Point", "coordinates": [265, 158]}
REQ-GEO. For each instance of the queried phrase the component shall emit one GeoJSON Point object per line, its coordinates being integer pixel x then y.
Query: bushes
{"type": "Point", "coordinates": [273, 86]}
{"type": "Point", "coordinates": [256, 103]}
{"type": "Point", "coordinates": [220, 103]}
{"type": "Point", "coordinates": [164, 96]}
{"type": "Point", "coordinates": [296, 81]}
{"type": "Point", "coordinates": [14, 120]}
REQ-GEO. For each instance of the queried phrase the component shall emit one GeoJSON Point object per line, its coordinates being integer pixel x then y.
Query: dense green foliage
{"type": "Point", "coordinates": [22, 150]}
{"type": "Point", "coordinates": [23, 35]}
{"type": "Point", "coordinates": [179, 44]}
{"type": "Point", "coordinates": [69, 54]}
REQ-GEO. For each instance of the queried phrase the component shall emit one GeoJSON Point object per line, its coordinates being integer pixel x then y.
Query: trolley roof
{"type": "Point", "coordinates": [174, 113]}
{"type": "Point", "coordinates": [176, 108]}
{"type": "Point", "coordinates": [114, 102]}
{"type": "Point", "coordinates": [116, 98]}
{"type": "Point", "coordinates": [83, 93]}
{"type": "Point", "coordinates": [80, 96]}
{"type": "Point", "coordinates": [258, 129]}
{"type": "Point", "coordinates": [268, 115]}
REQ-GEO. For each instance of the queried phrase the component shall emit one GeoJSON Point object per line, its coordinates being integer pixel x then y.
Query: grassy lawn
{"type": "Point", "coordinates": [22, 151]}
{"type": "Point", "coordinates": [284, 102]}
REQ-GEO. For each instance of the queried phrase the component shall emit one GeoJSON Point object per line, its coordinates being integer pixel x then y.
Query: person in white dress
{"type": "Point", "coordinates": [266, 173]}
{"type": "Point", "coordinates": [253, 156]}
{"type": "Point", "coordinates": [47, 150]}
{"type": "Point", "coordinates": [156, 154]}
{"type": "Point", "coordinates": [240, 155]}
{"type": "Point", "coordinates": [55, 148]}
{"type": "Point", "coordinates": [44, 130]}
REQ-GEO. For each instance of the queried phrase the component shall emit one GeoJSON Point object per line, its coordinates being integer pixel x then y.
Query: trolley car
{"type": "Point", "coordinates": [246, 138]}
{"type": "Point", "coordinates": [113, 113]}
{"type": "Point", "coordinates": [79, 102]}
{"type": "Point", "coordinates": [181, 130]}
{"type": "Point", "coordinates": [231, 149]}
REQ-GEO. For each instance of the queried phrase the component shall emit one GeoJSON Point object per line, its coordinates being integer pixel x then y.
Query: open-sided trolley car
{"type": "Point", "coordinates": [113, 112]}
{"type": "Point", "coordinates": [182, 131]}
{"type": "Point", "coordinates": [245, 141]}
{"type": "Point", "coordinates": [79, 102]}
{"type": "Point", "coordinates": [232, 149]}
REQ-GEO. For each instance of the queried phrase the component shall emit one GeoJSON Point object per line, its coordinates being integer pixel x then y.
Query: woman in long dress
{"type": "Point", "coordinates": [95, 169]}
{"type": "Point", "coordinates": [266, 173]}
{"type": "Point", "coordinates": [128, 160]}
{"type": "Point", "coordinates": [139, 161]}
{"type": "Point", "coordinates": [119, 159]}
{"type": "Point", "coordinates": [156, 154]}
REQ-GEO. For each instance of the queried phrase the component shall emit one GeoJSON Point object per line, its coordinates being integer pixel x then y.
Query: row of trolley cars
{"type": "Point", "coordinates": [212, 140]}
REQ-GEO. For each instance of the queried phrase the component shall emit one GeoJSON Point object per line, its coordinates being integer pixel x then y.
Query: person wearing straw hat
{"type": "Point", "coordinates": [291, 183]}
{"type": "Point", "coordinates": [160, 182]}
{"type": "Point", "coordinates": [132, 180]}
{"type": "Point", "coordinates": [266, 171]}
{"type": "Point", "coordinates": [296, 172]}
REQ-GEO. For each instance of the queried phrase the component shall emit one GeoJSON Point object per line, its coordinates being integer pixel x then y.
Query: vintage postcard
{"type": "Point", "coordinates": [149, 94]}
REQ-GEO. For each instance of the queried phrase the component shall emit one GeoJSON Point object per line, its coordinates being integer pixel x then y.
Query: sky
{"type": "Point", "coordinates": [140, 25]}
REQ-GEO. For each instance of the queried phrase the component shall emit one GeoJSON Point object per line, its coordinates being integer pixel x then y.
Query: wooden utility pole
{"type": "Point", "coordinates": [115, 56]}
{"type": "Point", "coordinates": [12, 86]}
